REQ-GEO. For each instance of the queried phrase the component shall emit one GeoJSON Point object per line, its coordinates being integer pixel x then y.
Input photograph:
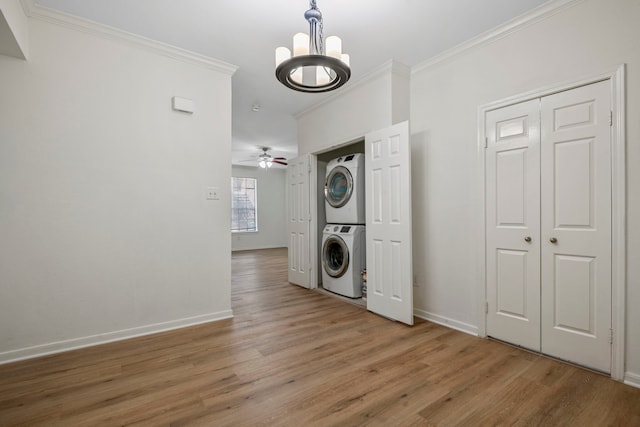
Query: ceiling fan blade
{"type": "Point", "coordinates": [284, 159]}
{"type": "Point", "coordinates": [280, 162]}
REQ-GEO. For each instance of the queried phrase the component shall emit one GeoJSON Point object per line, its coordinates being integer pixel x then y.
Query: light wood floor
{"type": "Point", "coordinates": [294, 357]}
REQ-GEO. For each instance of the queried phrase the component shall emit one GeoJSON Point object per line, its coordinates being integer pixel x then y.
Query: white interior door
{"type": "Point", "coordinates": [576, 225]}
{"type": "Point", "coordinates": [388, 222]}
{"type": "Point", "coordinates": [548, 199]}
{"type": "Point", "coordinates": [513, 224]}
{"type": "Point", "coordinates": [299, 217]}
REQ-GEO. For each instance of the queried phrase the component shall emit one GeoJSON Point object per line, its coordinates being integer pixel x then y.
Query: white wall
{"type": "Point", "coordinates": [376, 101]}
{"type": "Point", "coordinates": [14, 32]}
{"type": "Point", "coordinates": [589, 38]}
{"type": "Point", "coordinates": [272, 222]}
{"type": "Point", "coordinates": [105, 232]}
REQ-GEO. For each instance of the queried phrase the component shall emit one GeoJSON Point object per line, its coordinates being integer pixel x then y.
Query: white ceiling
{"type": "Point", "coordinates": [246, 33]}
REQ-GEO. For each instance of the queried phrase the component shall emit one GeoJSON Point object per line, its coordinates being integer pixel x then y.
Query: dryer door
{"type": "Point", "coordinates": [335, 256]}
{"type": "Point", "coordinates": [338, 186]}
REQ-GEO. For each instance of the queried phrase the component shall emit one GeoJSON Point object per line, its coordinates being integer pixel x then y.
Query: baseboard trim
{"type": "Point", "coordinates": [93, 340]}
{"type": "Point", "coordinates": [259, 248]}
{"type": "Point", "coordinates": [632, 379]}
{"type": "Point", "coordinates": [445, 321]}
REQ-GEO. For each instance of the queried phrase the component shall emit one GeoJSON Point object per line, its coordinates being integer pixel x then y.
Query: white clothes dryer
{"type": "Point", "coordinates": [343, 259]}
{"type": "Point", "coordinates": [344, 190]}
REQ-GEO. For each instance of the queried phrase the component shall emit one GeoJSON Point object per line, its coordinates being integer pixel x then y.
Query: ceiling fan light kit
{"type": "Point", "coordinates": [265, 160]}
{"type": "Point", "coordinates": [310, 69]}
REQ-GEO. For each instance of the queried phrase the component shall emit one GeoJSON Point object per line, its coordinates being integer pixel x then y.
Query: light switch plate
{"type": "Point", "coordinates": [213, 193]}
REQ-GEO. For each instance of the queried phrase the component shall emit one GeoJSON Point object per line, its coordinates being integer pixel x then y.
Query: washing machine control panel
{"type": "Point", "coordinates": [332, 228]}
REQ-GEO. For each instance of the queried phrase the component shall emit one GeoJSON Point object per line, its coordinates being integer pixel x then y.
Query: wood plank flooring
{"type": "Point", "coordinates": [293, 357]}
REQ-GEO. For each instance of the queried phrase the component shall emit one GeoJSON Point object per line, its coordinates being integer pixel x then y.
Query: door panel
{"type": "Point", "coordinates": [511, 169]}
{"type": "Point", "coordinates": [388, 213]}
{"type": "Point", "coordinates": [298, 224]}
{"type": "Point", "coordinates": [576, 213]}
{"type": "Point", "coordinates": [513, 224]}
{"type": "Point", "coordinates": [375, 267]}
{"type": "Point", "coordinates": [573, 169]}
{"type": "Point", "coordinates": [511, 283]}
{"type": "Point", "coordinates": [573, 294]}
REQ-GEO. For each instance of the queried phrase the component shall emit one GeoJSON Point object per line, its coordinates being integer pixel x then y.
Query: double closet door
{"type": "Point", "coordinates": [548, 230]}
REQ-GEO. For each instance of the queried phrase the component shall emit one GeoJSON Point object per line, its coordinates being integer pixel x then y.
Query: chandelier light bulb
{"type": "Point", "coordinates": [322, 76]}
{"type": "Point", "coordinates": [282, 54]}
{"type": "Point", "coordinates": [334, 47]}
{"type": "Point", "coordinates": [300, 44]}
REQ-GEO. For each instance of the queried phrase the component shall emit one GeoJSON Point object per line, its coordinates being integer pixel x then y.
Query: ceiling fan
{"type": "Point", "coordinates": [265, 160]}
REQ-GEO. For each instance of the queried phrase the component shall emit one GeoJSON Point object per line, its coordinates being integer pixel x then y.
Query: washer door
{"type": "Point", "coordinates": [335, 256]}
{"type": "Point", "coordinates": [338, 186]}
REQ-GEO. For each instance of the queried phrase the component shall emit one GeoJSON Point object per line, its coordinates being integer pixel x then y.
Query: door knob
{"type": "Point", "coordinates": [553, 240]}
{"type": "Point", "coordinates": [527, 239]}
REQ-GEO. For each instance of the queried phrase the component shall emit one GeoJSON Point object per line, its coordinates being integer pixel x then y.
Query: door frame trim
{"type": "Point", "coordinates": [616, 77]}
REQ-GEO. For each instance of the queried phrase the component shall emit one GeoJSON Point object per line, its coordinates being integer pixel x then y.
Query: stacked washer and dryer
{"type": "Point", "coordinates": [343, 240]}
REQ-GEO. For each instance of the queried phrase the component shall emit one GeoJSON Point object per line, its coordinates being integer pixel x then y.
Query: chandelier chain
{"type": "Point", "coordinates": [316, 29]}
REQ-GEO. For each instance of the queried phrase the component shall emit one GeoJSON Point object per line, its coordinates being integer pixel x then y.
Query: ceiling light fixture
{"type": "Point", "coordinates": [265, 164]}
{"type": "Point", "coordinates": [310, 69]}
{"type": "Point", "coordinates": [265, 159]}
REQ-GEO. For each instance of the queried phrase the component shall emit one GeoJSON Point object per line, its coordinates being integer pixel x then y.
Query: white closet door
{"type": "Point", "coordinates": [298, 224]}
{"type": "Point", "coordinates": [576, 225]}
{"type": "Point", "coordinates": [513, 224]}
{"type": "Point", "coordinates": [388, 214]}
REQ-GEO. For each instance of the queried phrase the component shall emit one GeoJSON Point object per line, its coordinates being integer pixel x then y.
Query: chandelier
{"type": "Point", "coordinates": [314, 66]}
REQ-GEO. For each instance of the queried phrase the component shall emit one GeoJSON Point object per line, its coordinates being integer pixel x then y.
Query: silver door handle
{"type": "Point", "coordinates": [553, 240]}
{"type": "Point", "coordinates": [527, 239]}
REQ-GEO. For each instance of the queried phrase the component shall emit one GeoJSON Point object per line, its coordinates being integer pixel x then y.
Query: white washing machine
{"type": "Point", "coordinates": [343, 259]}
{"type": "Point", "coordinates": [344, 190]}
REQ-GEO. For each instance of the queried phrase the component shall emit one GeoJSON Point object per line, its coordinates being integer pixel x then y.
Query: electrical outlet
{"type": "Point", "coordinates": [213, 193]}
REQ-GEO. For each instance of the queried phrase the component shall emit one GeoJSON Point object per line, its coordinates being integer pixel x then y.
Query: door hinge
{"type": "Point", "coordinates": [610, 336]}
{"type": "Point", "coordinates": [610, 118]}
{"type": "Point", "coordinates": [486, 307]}
{"type": "Point", "coordinates": [486, 141]}
{"type": "Point", "coordinates": [309, 168]}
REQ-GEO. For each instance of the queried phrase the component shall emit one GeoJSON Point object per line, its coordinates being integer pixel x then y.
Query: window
{"type": "Point", "coordinates": [244, 207]}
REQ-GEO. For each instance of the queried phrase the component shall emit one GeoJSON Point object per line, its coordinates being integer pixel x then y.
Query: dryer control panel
{"type": "Point", "coordinates": [334, 228]}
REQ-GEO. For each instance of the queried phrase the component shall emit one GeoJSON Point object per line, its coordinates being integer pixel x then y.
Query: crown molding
{"type": "Point", "coordinates": [388, 67]}
{"type": "Point", "coordinates": [36, 11]}
{"type": "Point", "coordinates": [542, 12]}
